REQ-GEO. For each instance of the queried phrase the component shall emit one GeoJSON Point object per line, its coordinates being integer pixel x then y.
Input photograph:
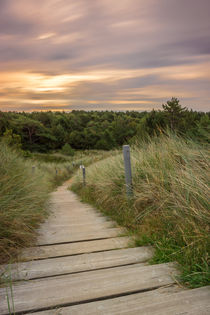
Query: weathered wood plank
{"type": "Point", "coordinates": [65, 202]}
{"type": "Point", "coordinates": [157, 302]}
{"type": "Point", "coordinates": [53, 237]}
{"type": "Point", "coordinates": [43, 252]}
{"type": "Point", "coordinates": [84, 262]}
{"type": "Point", "coordinates": [65, 230]}
{"type": "Point", "coordinates": [79, 225]}
{"type": "Point", "coordinates": [73, 207]}
{"type": "Point", "coordinates": [68, 215]}
{"type": "Point", "coordinates": [67, 218]}
{"type": "Point", "coordinates": [65, 227]}
{"type": "Point", "coordinates": [61, 290]}
{"type": "Point", "coordinates": [68, 211]}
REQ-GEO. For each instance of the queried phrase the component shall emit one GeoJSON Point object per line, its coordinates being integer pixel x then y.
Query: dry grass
{"type": "Point", "coordinates": [170, 204]}
{"type": "Point", "coordinates": [23, 194]}
{"type": "Point", "coordinates": [25, 185]}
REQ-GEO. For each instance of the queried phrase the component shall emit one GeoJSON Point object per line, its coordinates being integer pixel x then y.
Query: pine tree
{"type": "Point", "coordinates": [174, 112]}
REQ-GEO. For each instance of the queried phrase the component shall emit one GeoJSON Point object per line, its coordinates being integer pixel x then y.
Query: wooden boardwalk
{"type": "Point", "coordinates": [81, 265]}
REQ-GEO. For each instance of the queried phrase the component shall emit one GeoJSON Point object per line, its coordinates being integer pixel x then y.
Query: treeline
{"type": "Point", "coordinates": [48, 131]}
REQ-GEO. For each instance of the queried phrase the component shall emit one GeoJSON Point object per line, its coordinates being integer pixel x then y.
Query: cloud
{"type": "Point", "coordinates": [46, 36]}
{"type": "Point", "coordinates": [100, 50]}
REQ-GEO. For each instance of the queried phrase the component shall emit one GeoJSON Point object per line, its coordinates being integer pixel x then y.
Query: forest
{"type": "Point", "coordinates": [105, 130]}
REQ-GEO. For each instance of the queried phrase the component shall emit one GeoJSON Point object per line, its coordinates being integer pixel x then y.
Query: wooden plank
{"type": "Point", "coordinates": [72, 207]}
{"type": "Point", "coordinates": [69, 198]}
{"type": "Point", "coordinates": [71, 217]}
{"type": "Point", "coordinates": [157, 302]}
{"type": "Point", "coordinates": [79, 226]}
{"type": "Point", "coordinates": [76, 213]}
{"type": "Point", "coordinates": [65, 230]}
{"type": "Point", "coordinates": [58, 219]}
{"type": "Point", "coordinates": [69, 205]}
{"type": "Point", "coordinates": [74, 288]}
{"type": "Point", "coordinates": [71, 264]}
{"type": "Point", "coordinates": [43, 252]}
{"type": "Point", "coordinates": [51, 237]}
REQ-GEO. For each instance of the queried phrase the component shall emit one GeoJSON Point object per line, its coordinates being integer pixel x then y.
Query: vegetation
{"type": "Point", "coordinates": [23, 195]}
{"type": "Point", "coordinates": [24, 192]}
{"type": "Point", "coordinates": [169, 208]}
{"type": "Point", "coordinates": [39, 150]}
{"type": "Point", "coordinates": [66, 149]}
{"type": "Point", "coordinates": [79, 130]}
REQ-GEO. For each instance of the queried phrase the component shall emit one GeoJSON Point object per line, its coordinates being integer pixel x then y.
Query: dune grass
{"type": "Point", "coordinates": [169, 208]}
{"type": "Point", "coordinates": [23, 195]}
{"type": "Point", "coordinates": [60, 167]}
{"type": "Point", "coordinates": [25, 185]}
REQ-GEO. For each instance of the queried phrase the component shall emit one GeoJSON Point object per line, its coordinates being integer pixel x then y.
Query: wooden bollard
{"type": "Point", "coordinates": [128, 174]}
{"type": "Point", "coordinates": [83, 174]}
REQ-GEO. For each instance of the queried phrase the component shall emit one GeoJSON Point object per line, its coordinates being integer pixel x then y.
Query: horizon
{"type": "Point", "coordinates": [132, 55]}
{"type": "Point", "coordinates": [92, 110]}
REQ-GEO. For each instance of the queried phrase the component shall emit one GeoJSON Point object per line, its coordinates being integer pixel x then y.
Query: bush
{"type": "Point", "coordinates": [67, 150]}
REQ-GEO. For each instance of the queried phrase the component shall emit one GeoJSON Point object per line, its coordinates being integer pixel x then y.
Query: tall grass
{"type": "Point", "coordinates": [25, 185]}
{"type": "Point", "coordinates": [169, 208]}
{"type": "Point", "coordinates": [23, 195]}
{"type": "Point", "coordinates": [59, 171]}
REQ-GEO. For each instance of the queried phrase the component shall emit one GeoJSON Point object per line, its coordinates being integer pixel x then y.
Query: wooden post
{"type": "Point", "coordinates": [128, 174]}
{"type": "Point", "coordinates": [83, 173]}
{"type": "Point", "coordinates": [33, 169]}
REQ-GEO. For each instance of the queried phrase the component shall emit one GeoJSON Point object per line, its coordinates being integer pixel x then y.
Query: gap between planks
{"type": "Point", "coordinates": [62, 237]}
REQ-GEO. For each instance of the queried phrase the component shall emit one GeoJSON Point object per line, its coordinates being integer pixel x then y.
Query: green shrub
{"type": "Point", "coordinates": [67, 149]}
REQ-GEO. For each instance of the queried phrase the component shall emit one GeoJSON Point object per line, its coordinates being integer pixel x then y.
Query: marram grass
{"type": "Point", "coordinates": [169, 208]}
{"type": "Point", "coordinates": [25, 185]}
{"type": "Point", "coordinates": [23, 195]}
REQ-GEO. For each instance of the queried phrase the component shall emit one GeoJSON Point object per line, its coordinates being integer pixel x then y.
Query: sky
{"type": "Point", "coordinates": [104, 54]}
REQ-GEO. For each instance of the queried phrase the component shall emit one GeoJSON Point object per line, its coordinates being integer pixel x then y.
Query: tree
{"type": "Point", "coordinates": [60, 134]}
{"type": "Point", "coordinates": [67, 150]}
{"type": "Point", "coordinates": [12, 139]}
{"type": "Point", "coordinates": [174, 112]}
{"type": "Point", "coordinates": [35, 137]}
{"type": "Point", "coordinates": [27, 127]}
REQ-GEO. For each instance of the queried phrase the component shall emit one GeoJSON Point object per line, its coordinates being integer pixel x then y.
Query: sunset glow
{"type": "Point", "coordinates": [126, 55]}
